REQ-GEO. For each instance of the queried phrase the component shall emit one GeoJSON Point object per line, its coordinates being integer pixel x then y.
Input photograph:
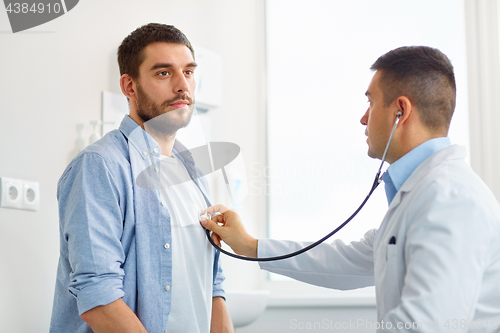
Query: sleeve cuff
{"type": "Point", "coordinates": [219, 293]}
{"type": "Point", "coordinates": [262, 253]}
{"type": "Point", "coordinates": [101, 293]}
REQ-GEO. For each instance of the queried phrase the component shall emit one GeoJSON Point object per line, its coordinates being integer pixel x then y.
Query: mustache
{"type": "Point", "coordinates": [179, 97]}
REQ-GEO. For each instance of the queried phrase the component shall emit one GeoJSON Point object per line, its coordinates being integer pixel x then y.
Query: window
{"type": "Point", "coordinates": [318, 58]}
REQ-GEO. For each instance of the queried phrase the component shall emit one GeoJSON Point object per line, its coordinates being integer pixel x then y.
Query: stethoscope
{"type": "Point", "coordinates": [376, 182]}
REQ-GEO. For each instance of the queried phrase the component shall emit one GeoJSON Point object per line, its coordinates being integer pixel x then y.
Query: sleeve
{"type": "Point", "coordinates": [446, 252]}
{"type": "Point", "coordinates": [335, 265]}
{"type": "Point", "coordinates": [219, 277]}
{"type": "Point", "coordinates": [91, 225]}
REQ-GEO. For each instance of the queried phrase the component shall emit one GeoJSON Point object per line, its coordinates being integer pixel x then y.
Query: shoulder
{"type": "Point", "coordinates": [112, 147]}
{"type": "Point", "coordinates": [454, 177]}
{"type": "Point", "coordinates": [451, 194]}
{"type": "Point", "coordinates": [446, 171]}
{"type": "Point", "coordinates": [107, 155]}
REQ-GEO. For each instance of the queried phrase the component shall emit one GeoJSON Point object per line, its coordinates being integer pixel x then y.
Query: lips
{"type": "Point", "coordinates": [179, 104]}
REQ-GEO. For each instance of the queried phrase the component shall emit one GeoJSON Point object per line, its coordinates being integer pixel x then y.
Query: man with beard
{"type": "Point", "coordinates": [133, 258]}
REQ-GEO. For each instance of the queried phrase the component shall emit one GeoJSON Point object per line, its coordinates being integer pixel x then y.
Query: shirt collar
{"type": "Point", "coordinates": [146, 145]}
{"type": "Point", "coordinates": [139, 138]}
{"type": "Point", "coordinates": [399, 171]}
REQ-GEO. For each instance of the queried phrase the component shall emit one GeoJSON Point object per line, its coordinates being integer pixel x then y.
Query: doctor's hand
{"type": "Point", "coordinates": [231, 231]}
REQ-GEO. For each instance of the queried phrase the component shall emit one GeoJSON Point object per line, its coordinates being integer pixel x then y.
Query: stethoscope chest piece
{"type": "Point", "coordinates": [206, 215]}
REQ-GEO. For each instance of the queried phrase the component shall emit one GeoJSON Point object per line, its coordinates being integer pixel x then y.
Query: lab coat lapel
{"type": "Point", "coordinates": [446, 154]}
{"type": "Point", "coordinates": [452, 152]}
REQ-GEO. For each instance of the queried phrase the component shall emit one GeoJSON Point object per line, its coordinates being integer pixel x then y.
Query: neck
{"type": "Point", "coordinates": [165, 140]}
{"type": "Point", "coordinates": [408, 141]}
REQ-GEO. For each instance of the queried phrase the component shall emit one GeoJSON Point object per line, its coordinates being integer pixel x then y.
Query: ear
{"type": "Point", "coordinates": [404, 105]}
{"type": "Point", "coordinates": [128, 86]}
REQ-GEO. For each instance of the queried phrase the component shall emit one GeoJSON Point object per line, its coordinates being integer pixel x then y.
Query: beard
{"type": "Point", "coordinates": [159, 121]}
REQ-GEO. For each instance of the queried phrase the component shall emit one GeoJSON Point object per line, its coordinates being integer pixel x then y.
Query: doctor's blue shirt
{"type": "Point", "coordinates": [399, 171]}
{"type": "Point", "coordinates": [114, 234]}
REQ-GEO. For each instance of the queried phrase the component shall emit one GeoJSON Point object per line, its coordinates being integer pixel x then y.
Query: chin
{"type": "Point", "coordinates": [169, 122]}
{"type": "Point", "coordinates": [372, 154]}
{"type": "Point", "coordinates": [183, 114]}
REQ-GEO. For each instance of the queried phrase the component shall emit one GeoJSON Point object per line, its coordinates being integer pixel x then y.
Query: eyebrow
{"type": "Point", "coordinates": [167, 65]}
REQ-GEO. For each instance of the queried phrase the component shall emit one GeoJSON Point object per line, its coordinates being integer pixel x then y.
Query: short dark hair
{"type": "Point", "coordinates": [424, 75]}
{"type": "Point", "coordinates": [131, 50]}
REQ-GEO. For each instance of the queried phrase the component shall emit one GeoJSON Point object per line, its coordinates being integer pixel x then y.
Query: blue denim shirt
{"type": "Point", "coordinates": [400, 170]}
{"type": "Point", "coordinates": [113, 232]}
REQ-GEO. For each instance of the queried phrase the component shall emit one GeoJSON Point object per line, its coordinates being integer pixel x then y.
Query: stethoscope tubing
{"type": "Point", "coordinates": [376, 182]}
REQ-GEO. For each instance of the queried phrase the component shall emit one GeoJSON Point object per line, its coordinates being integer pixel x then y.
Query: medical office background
{"type": "Point", "coordinates": [293, 74]}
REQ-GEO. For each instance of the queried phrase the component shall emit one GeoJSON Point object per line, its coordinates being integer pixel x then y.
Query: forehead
{"type": "Point", "coordinates": [171, 53]}
{"type": "Point", "coordinates": [374, 87]}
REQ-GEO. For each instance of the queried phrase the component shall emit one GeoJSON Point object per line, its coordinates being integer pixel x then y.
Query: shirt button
{"type": "Point", "coordinates": [166, 246]}
{"type": "Point", "coordinates": [163, 203]}
{"type": "Point", "coordinates": [157, 169]}
{"type": "Point", "coordinates": [167, 288]}
{"type": "Point", "coordinates": [165, 331]}
{"type": "Point", "coordinates": [155, 150]}
{"type": "Point", "coordinates": [145, 153]}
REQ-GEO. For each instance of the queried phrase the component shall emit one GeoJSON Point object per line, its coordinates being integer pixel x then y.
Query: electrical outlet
{"type": "Point", "coordinates": [31, 196]}
{"type": "Point", "coordinates": [11, 193]}
{"type": "Point", "coordinates": [19, 194]}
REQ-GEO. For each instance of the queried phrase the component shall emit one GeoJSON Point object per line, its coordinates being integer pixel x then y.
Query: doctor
{"type": "Point", "coordinates": [435, 259]}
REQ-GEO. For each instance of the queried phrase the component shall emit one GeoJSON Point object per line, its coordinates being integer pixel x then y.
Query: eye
{"type": "Point", "coordinates": [189, 72]}
{"type": "Point", "coordinates": [164, 73]}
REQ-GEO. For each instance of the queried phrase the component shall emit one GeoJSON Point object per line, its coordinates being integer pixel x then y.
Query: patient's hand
{"type": "Point", "coordinates": [231, 231]}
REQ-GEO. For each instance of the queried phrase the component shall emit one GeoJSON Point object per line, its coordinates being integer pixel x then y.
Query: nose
{"type": "Point", "coordinates": [181, 84]}
{"type": "Point", "coordinates": [364, 119]}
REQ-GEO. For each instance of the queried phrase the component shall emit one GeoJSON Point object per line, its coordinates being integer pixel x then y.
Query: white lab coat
{"type": "Point", "coordinates": [445, 265]}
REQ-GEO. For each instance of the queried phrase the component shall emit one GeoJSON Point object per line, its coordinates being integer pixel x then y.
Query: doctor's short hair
{"type": "Point", "coordinates": [425, 76]}
{"type": "Point", "coordinates": [131, 50]}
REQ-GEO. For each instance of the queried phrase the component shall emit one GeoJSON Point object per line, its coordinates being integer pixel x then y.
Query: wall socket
{"type": "Point", "coordinates": [19, 194]}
